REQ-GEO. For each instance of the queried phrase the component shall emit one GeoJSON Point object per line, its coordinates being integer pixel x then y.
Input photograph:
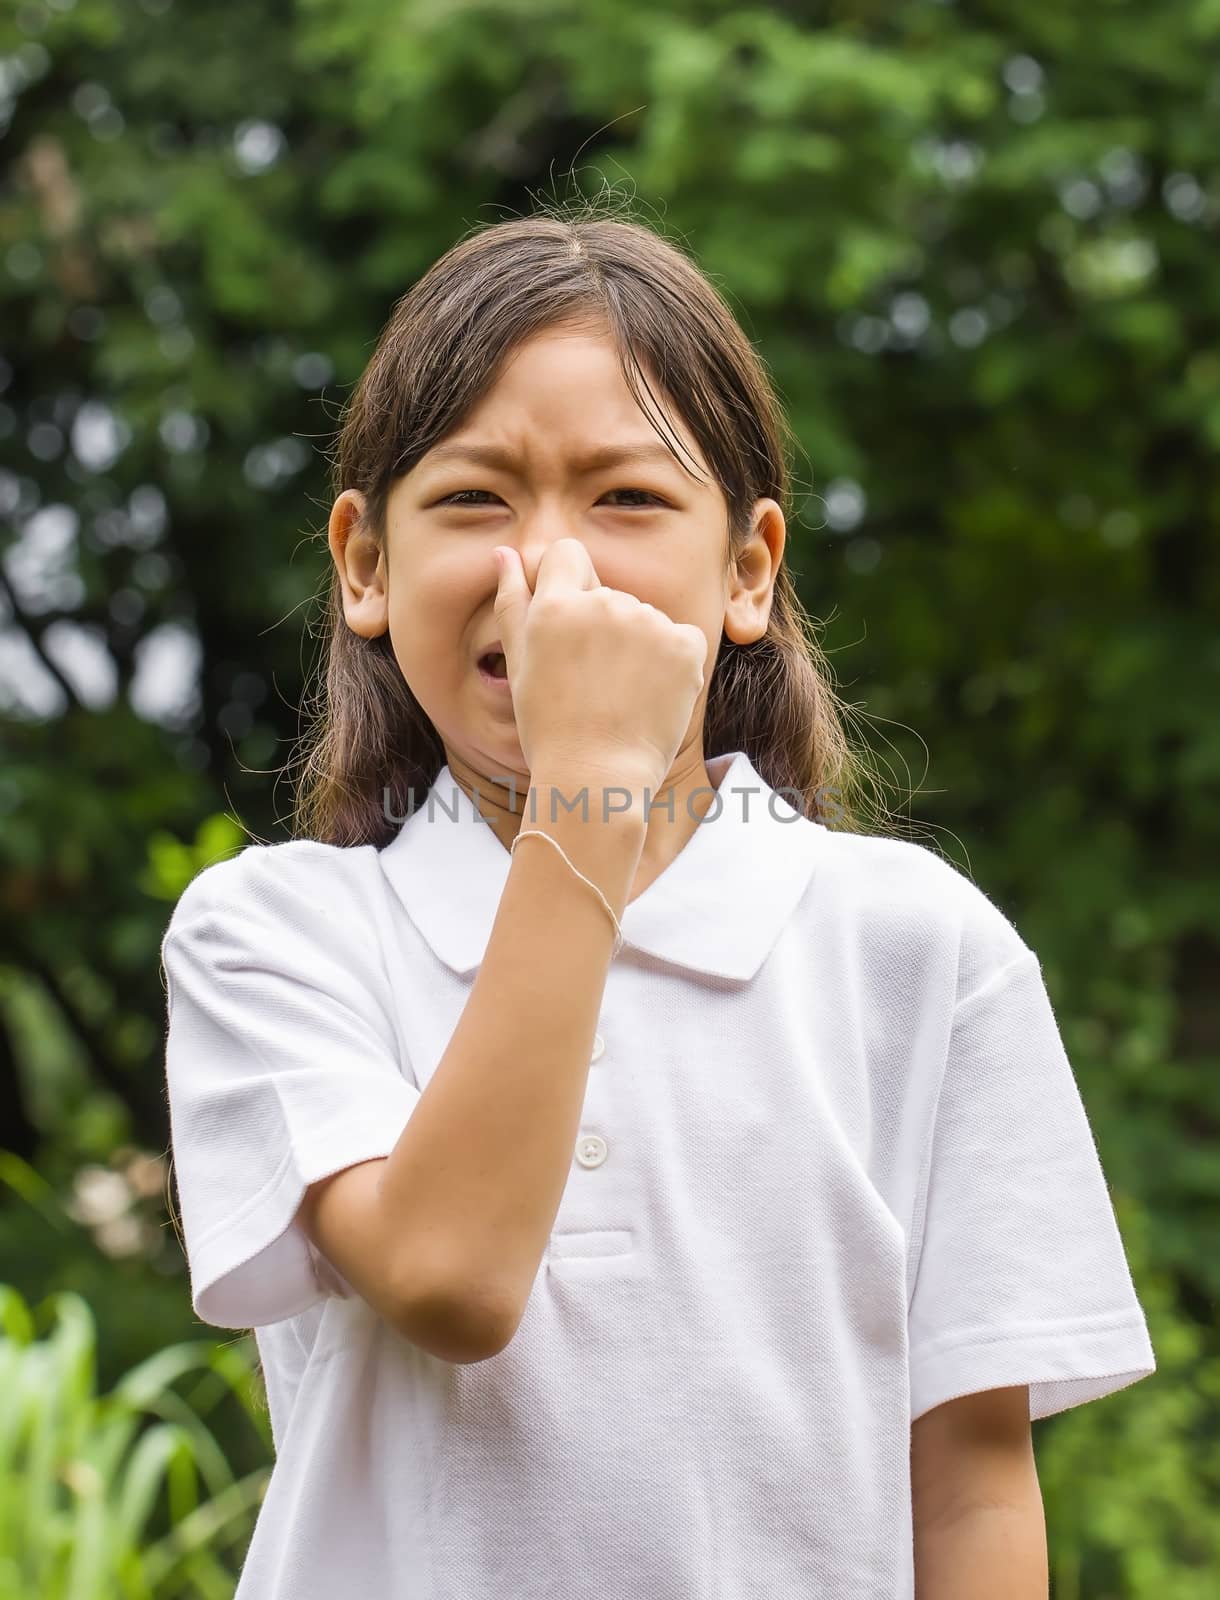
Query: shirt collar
{"type": "Point", "coordinates": [717, 908]}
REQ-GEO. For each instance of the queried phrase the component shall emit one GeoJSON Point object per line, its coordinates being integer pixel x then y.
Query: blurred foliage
{"type": "Point", "coordinates": [976, 246]}
{"type": "Point", "coordinates": [172, 864]}
{"type": "Point", "coordinates": [120, 1494]}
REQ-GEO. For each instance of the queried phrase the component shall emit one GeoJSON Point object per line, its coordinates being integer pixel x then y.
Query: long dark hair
{"type": "Point", "coordinates": [370, 752]}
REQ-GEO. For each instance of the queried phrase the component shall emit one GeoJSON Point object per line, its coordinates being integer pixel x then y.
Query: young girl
{"type": "Point", "coordinates": [640, 1179]}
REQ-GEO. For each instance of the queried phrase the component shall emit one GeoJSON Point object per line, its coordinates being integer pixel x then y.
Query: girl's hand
{"type": "Point", "coordinates": [602, 683]}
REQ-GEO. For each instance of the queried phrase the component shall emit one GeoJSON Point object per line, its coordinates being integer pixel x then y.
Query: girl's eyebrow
{"type": "Point", "coordinates": [490, 455]}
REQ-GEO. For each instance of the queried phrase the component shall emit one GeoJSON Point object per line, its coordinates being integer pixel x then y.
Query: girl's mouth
{"type": "Point", "coordinates": [494, 669]}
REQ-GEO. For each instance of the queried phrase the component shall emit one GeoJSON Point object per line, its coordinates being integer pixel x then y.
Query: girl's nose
{"type": "Point", "coordinates": [536, 540]}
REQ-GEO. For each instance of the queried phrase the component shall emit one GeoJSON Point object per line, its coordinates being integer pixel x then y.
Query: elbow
{"type": "Point", "coordinates": [461, 1328]}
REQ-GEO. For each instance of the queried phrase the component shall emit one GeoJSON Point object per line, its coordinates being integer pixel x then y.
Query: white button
{"type": "Point", "coordinates": [591, 1151]}
{"type": "Point", "coordinates": [599, 1045]}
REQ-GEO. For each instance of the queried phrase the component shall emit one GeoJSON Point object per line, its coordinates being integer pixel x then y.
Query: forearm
{"type": "Point", "coordinates": [997, 1551]}
{"type": "Point", "coordinates": [478, 1175]}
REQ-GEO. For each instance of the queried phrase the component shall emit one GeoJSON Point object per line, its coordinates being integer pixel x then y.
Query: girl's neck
{"type": "Point", "coordinates": [686, 793]}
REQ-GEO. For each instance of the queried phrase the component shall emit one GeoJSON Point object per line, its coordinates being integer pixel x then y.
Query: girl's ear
{"type": "Point", "coordinates": [752, 581]}
{"type": "Point", "coordinates": [360, 562]}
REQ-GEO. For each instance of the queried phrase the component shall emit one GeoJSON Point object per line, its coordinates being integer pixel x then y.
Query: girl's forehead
{"type": "Point", "coordinates": [585, 453]}
{"type": "Point", "coordinates": [587, 434]}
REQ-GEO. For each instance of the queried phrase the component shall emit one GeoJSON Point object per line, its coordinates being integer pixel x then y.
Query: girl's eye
{"type": "Point", "coordinates": [458, 498]}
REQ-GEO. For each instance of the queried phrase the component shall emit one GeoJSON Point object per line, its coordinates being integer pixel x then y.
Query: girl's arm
{"type": "Point", "coordinates": [445, 1236]}
{"type": "Point", "coordinates": [977, 1515]}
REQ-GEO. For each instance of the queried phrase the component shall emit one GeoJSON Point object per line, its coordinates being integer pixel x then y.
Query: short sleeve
{"type": "Point", "coordinates": [1021, 1274]}
{"type": "Point", "coordinates": [281, 1068]}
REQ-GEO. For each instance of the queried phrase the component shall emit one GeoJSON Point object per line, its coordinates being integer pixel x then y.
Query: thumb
{"type": "Point", "coordinates": [512, 600]}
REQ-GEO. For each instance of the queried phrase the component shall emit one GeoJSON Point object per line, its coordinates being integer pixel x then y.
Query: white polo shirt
{"type": "Point", "coordinates": [832, 1169]}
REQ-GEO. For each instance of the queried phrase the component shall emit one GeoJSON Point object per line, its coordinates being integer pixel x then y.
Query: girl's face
{"type": "Point", "coordinates": [649, 526]}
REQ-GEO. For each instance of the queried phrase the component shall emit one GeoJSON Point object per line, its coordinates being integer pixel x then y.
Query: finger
{"type": "Point", "coordinates": [566, 565]}
{"type": "Point", "coordinates": [512, 601]}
